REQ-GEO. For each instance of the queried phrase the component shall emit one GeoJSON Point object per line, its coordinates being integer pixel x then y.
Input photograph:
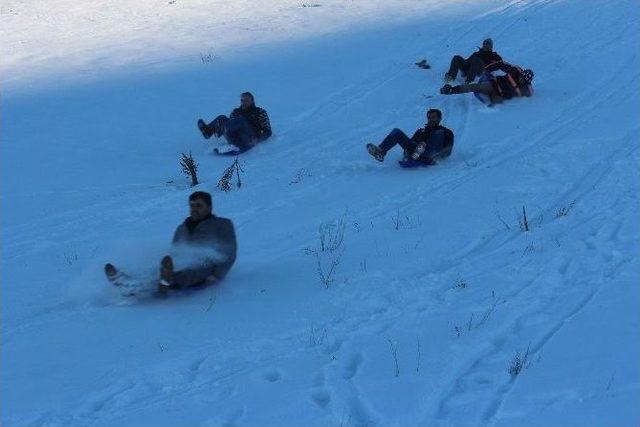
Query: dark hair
{"type": "Point", "coordinates": [202, 195]}
{"type": "Point", "coordinates": [487, 41]}
{"type": "Point", "coordinates": [250, 95]}
{"type": "Point", "coordinates": [435, 110]}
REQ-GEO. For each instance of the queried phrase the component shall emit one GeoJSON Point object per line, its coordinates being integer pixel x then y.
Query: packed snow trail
{"type": "Point", "coordinates": [437, 287]}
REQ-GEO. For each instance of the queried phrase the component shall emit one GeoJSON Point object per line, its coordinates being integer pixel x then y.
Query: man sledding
{"type": "Point", "coordinates": [211, 244]}
{"type": "Point", "coordinates": [424, 148]}
{"type": "Point", "coordinates": [246, 126]}
{"type": "Point", "coordinates": [472, 67]}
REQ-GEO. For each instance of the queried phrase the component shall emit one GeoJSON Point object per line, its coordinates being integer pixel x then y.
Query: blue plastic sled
{"type": "Point", "coordinates": [411, 164]}
{"type": "Point", "coordinates": [230, 152]}
{"type": "Point", "coordinates": [483, 97]}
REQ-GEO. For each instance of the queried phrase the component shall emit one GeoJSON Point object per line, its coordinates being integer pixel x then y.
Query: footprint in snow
{"type": "Point", "coordinates": [321, 397]}
{"type": "Point", "coordinates": [351, 368]}
{"type": "Point", "coordinates": [272, 376]}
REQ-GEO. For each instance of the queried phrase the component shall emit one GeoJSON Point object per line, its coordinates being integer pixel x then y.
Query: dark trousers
{"type": "Point", "coordinates": [397, 137]}
{"type": "Point", "coordinates": [237, 131]}
{"type": "Point", "coordinates": [470, 68]}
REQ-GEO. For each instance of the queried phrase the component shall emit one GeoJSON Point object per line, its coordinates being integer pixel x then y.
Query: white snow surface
{"type": "Point", "coordinates": [438, 290]}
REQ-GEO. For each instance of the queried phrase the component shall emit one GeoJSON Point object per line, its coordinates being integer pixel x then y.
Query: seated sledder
{"type": "Point", "coordinates": [244, 128]}
{"type": "Point", "coordinates": [427, 144]}
{"type": "Point", "coordinates": [473, 66]}
{"type": "Point", "coordinates": [492, 89]}
{"type": "Point", "coordinates": [214, 238]}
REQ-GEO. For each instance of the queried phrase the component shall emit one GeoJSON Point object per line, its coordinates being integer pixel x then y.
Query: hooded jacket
{"type": "Point", "coordinates": [212, 232]}
{"type": "Point", "coordinates": [439, 140]}
{"type": "Point", "coordinates": [258, 120]}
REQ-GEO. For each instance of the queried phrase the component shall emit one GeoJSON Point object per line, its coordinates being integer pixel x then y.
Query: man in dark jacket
{"type": "Point", "coordinates": [515, 82]}
{"type": "Point", "coordinates": [425, 146]}
{"type": "Point", "coordinates": [214, 235]}
{"type": "Point", "coordinates": [473, 66]}
{"type": "Point", "coordinates": [245, 127]}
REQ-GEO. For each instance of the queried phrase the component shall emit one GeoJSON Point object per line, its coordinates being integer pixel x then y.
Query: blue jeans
{"type": "Point", "coordinates": [237, 131]}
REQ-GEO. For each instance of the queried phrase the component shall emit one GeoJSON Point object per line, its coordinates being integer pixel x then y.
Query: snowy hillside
{"type": "Point", "coordinates": [442, 311]}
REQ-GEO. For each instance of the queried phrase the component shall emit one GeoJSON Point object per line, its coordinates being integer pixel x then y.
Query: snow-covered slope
{"type": "Point", "coordinates": [437, 289]}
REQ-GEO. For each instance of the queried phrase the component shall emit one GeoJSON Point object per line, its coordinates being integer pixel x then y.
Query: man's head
{"type": "Point", "coordinates": [433, 117]}
{"type": "Point", "coordinates": [199, 205]}
{"type": "Point", "coordinates": [247, 100]}
{"type": "Point", "coordinates": [487, 44]}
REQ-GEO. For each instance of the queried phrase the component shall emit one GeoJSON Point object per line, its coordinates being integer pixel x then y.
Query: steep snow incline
{"type": "Point", "coordinates": [66, 40]}
{"type": "Point", "coordinates": [437, 288]}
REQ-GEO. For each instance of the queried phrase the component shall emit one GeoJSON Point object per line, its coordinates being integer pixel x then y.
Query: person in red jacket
{"type": "Point", "coordinates": [515, 82]}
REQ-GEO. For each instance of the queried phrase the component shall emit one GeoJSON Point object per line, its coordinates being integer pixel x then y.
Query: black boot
{"type": "Point", "coordinates": [449, 90]}
{"type": "Point", "coordinates": [206, 132]}
{"type": "Point", "coordinates": [166, 276]}
{"type": "Point", "coordinates": [376, 152]}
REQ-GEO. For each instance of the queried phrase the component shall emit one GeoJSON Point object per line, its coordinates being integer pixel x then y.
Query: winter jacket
{"type": "Point", "coordinates": [439, 141]}
{"type": "Point", "coordinates": [508, 85]}
{"type": "Point", "coordinates": [257, 118]}
{"type": "Point", "coordinates": [213, 232]}
{"type": "Point", "coordinates": [487, 57]}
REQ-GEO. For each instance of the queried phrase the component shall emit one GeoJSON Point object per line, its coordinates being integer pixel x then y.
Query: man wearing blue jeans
{"type": "Point", "coordinates": [245, 127]}
{"type": "Point", "coordinates": [425, 146]}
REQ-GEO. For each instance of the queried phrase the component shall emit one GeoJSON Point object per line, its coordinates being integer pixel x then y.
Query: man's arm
{"type": "Point", "coordinates": [448, 143]}
{"type": "Point", "coordinates": [501, 66]}
{"type": "Point", "coordinates": [178, 236]}
{"type": "Point", "coordinates": [419, 136]}
{"type": "Point", "coordinates": [264, 123]}
{"type": "Point", "coordinates": [228, 246]}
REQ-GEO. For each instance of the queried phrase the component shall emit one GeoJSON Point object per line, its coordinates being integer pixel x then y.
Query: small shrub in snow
{"type": "Point", "coordinates": [300, 175]}
{"type": "Point", "coordinates": [394, 354]}
{"type": "Point", "coordinates": [529, 249]}
{"type": "Point", "coordinates": [460, 284]}
{"type": "Point", "coordinates": [225, 182]}
{"type": "Point", "coordinates": [329, 253]}
{"type": "Point", "coordinates": [331, 235]}
{"type": "Point", "coordinates": [71, 258]}
{"type": "Point", "coordinates": [208, 57]}
{"type": "Point", "coordinates": [418, 355]}
{"type": "Point", "coordinates": [564, 210]}
{"type": "Point", "coordinates": [473, 323]}
{"type": "Point", "coordinates": [317, 336]}
{"type": "Point", "coordinates": [189, 168]}
{"type": "Point", "coordinates": [519, 362]}
{"type": "Point", "coordinates": [523, 221]}
{"type": "Point", "coordinates": [506, 225]}
{"type": "Point", "coordinates": [403, 221]}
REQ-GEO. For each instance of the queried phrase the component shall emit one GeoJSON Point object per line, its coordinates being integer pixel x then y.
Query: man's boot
{"type": "Point", "coordinates": [206, 132]}
{"type": "Point", "coordinates": [449, 90]}
{"type": "Point", "coordinates": [376, 152]}
{"type": "Point", "coordinates": [166, 275]}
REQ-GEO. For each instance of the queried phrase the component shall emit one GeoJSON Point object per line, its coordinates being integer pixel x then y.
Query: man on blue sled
{"type": "Point", "coordinates": [245, 127]}
{"type": "Point", "coordinates": [424, 148]}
